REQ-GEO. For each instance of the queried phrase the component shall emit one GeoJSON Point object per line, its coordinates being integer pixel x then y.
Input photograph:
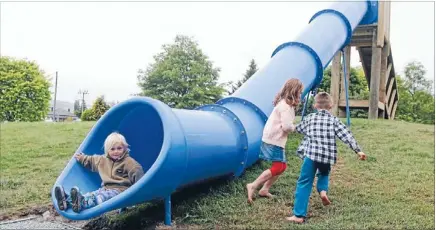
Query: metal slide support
{"type": "Point", "coordinates": [168, 210]}
{"type": "Point", "coordinates": [303, 112]}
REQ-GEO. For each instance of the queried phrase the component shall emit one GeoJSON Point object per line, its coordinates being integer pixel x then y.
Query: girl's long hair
{"type": "Point", "coordinates": [291, 92]}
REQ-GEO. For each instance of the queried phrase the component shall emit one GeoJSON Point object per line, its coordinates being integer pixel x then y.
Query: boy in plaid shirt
{"type": "Point", "coordinates": [318, 150]}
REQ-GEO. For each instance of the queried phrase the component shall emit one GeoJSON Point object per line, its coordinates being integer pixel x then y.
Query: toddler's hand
{"type": "Point", "coordinates": [362, 156]}
{"type": "Point", "coordinates": [77, 156]}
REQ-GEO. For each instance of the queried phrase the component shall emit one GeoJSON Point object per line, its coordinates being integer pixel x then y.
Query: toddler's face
{"type": "Point", "coordinates": [116, 151]}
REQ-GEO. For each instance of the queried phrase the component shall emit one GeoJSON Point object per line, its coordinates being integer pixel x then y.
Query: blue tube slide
{"type": "Point", "coordinates": [178, 147]}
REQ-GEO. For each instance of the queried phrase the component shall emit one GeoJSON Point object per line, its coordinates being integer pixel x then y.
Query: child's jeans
{"type": "Point", "coordinates": [305, 182]}
{"type": "Point", "coordinates": [96, 197]}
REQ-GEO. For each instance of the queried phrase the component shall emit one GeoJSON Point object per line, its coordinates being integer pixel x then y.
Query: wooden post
{"type": "Point", "coordinates": [334, 84]}
{"type": "Point", "coordinates": [383, 77]}
{"type": "Point", "coordinates": [381, 27]}
{"type": "Point", "coordinates": [347, 51]}
{"type": "Point", "coordinates": [375, 79]}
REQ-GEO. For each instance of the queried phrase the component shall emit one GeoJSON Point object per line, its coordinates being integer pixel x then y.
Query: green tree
{"type": "Point", "coordinates": [77, 108]}
{"type": "Point", "coordinates": [24, 91]}
{"type": "Point", "coordinates": [358, 85]}
{"type": "Point", "coordinates": [99, 107]}
{"type": "Point", "coordinates": [417, 106]}
{"type": "Point", "coordinates": [181, 76]}
{"type": "Point", "coordinates": [326, 80]}
{"type": "Point", "coordinates": [87, 115]}
{"type": "Point", "coordinates": [414, 78]}
{"type": "Point", "coordinates": [96, 111]}
{"type": "Point", "coordinates": [425, 108]}
{"type": "Point", "coordinates": [252, 68]}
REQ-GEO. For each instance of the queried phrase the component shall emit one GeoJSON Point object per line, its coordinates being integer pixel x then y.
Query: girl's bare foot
{"type": "Point", "coordinates": [295, 219]}
{"type": "Point", "coordinates": [250, 192]}
{"type": "Point", "coordinates": [265, 193]}
{"type": "Point", "coordinates": [324, 198]}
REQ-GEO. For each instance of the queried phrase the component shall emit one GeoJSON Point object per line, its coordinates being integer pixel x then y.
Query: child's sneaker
{"type": "Point", "coordinates": [76, 199]}
{"type": "Point", "coordinates": [61, 197]}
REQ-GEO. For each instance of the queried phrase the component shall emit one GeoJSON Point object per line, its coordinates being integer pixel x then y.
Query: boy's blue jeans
{"type": "Point", "coordinates": [305, 182]}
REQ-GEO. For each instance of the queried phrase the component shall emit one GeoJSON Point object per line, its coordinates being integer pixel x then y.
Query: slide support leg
{"type": "Point", "coordinates": [168, 210]}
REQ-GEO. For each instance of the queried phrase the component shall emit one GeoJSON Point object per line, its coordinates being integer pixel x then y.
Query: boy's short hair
{"type": "Point", "coordinates": [323, 100]}
{"type": "Point", "coordinates": [112, 139]}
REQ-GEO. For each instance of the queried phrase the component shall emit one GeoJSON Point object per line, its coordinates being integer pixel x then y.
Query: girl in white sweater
{"type": "Point", "coordinates": [275, 134]}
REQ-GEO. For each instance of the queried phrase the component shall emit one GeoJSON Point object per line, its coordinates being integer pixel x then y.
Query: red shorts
{"type": "Point", "coordinates": [277, 168]}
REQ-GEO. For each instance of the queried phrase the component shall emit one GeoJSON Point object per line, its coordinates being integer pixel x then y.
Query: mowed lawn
{"type": "Point", "coordinates": [32, 157]}
{"type": "Point", "coordinates": [393, 189]}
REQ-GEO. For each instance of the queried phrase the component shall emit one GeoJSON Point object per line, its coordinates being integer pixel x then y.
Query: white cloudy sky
{"type": "Point", "coordinates": [100, 46]}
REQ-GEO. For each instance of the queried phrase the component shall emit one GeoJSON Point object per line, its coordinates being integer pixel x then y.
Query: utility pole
{"type": "Point", "coordinates": [54, 103]}
{"type": "Point", "coordinates": [83, 96]}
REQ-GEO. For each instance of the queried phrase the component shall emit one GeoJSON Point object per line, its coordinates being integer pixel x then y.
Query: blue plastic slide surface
{"type": "Point", "coordinates": [180, 147]}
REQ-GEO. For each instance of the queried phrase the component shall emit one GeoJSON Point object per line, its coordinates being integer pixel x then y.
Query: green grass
{"type": "Point", "coordinates": [393, 189]}
{"type": "Point", "coordinates": [32, 157]}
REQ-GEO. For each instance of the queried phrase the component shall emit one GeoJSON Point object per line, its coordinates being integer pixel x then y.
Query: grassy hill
{"type": "Point", "coordinates": [394, 188]}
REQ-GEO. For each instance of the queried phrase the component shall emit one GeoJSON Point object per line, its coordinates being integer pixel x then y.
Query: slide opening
{"type": "Point", "coordinates": [142, 127]}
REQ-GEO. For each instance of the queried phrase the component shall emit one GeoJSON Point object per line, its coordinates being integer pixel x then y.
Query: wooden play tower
{"type": "Point", "coordinates": [372, 43]}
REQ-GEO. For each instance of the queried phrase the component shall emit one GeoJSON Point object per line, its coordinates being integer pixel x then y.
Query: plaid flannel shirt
{"type": "Point", "coordinates": [320, 130]}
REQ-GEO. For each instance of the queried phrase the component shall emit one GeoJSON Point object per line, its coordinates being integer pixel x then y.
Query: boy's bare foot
{"type": "Point", "coordinates": [324, 198]}
{"type": "Point", "coordinates": [265, 193]}
{"type": "Point", "coordinates": [250, 192]}
{"type": "Point", "coordinates": [295, 219]}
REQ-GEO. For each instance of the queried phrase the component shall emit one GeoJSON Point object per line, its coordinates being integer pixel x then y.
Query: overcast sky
{"type": "Point", "coordinates": [100, 46]}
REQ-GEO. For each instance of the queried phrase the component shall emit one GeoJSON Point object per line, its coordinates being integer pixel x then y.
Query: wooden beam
{"type": "Point", "coordinates": [387, 19]}
{"type": "Point", "coordinates": [361, 104]}
{"type": "Point", "coordinates": [388, 72]}
{"type": "Point", "coordinates": [388, 113]}
{"type": "Point", "coordinates": [375, 80]}
{"type": "Point", "coordinates": [361, 32]}
{"type": "Point", "coordinates": [387, 42]}
{"type": "Point", "coordinates": [391, 103]}
{"type": "Point", "coordinates": [335, 82]}
{"type": "Point", "coordinates": [355, 103]}
{"type": "Point", "coordinates": [383, 70]}
{"type": "Point", "coordinates": [388, 95]}
{"type": "Point", "coordinates": [362, 62]}
{"type": "Point", "coordinates": [360, 43]}
{"type": "Point", "coordinates": [389, 60]}
{"type": "Point", "coordinates": [381, 24]}
{"type": "Point", "coordinates": [394, 109]}
{"type": "Point", "coordinates": [347, 51]}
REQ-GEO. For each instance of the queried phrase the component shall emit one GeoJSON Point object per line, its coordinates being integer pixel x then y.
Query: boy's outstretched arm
{"type": "Point", "coordinates": [345, 135]}
{"type": "Point", "coordinates": [89, 162]}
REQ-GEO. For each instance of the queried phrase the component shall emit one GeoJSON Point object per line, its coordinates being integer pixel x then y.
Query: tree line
{"type": "Point", "coordinates": [182, 76]}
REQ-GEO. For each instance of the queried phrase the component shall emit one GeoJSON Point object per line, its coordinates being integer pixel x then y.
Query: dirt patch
{"type": "Point", "coordinates": [24, 212]}
{"type": "Point", "coordinates": [53, 215]}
